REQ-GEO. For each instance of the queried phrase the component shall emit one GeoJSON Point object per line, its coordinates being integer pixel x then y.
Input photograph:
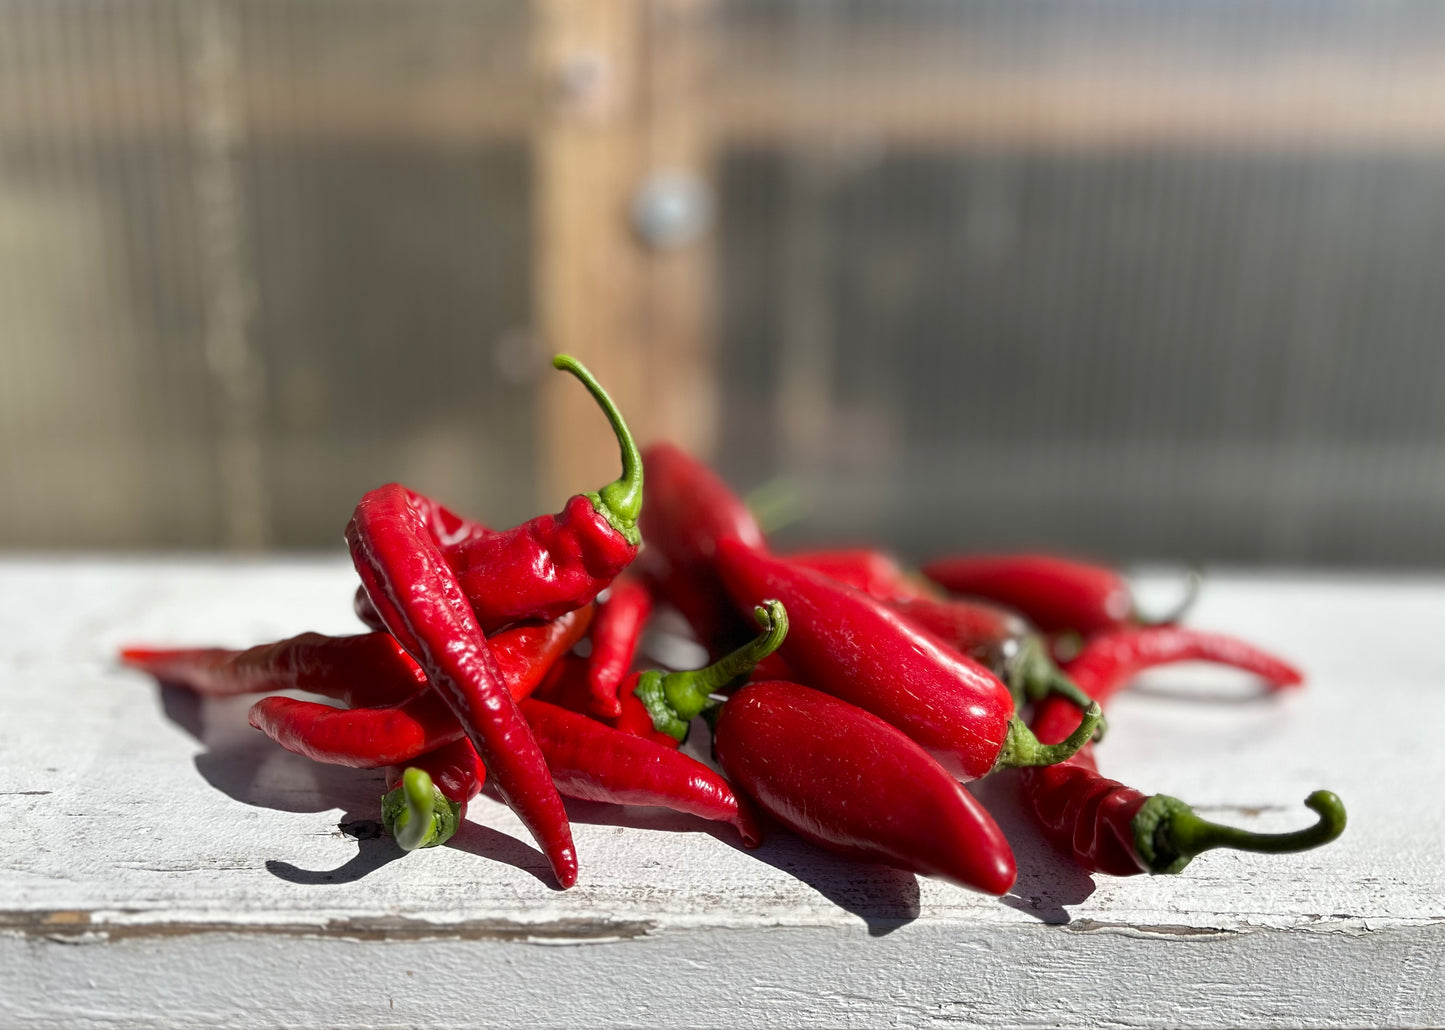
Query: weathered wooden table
{"type": "Point", "coordinates": [162, 864]}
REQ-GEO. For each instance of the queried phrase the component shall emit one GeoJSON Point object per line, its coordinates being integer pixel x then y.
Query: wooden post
{"type": "Point", "coordinates": [621, 80]}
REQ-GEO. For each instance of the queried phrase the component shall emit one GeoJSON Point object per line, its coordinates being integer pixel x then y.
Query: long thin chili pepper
{"type": "Point", "coordinates": [1111, 828]}
{"type": "Point", "coordinates": [368, 669]}
{"type": "Point", "coordinates": [620, 622]}
{"type": "Point", "coordinates": [567, 686]}
{"type": "Point", "coordinates": [689, 509]}
{"type": "Point", "coordinates": [598, 763]}
{"type": "Point", "coordinates": [1058, 595]}
{"type": "Point", "coordinates": [845, 643]}
{"type": "Point", "coordinates": [417, 596]}
{"type": "Point", "coordinates": [427, 801]}
{"type": "Point", "coordinates": [846, 780]}
{"type": "Point", "coordinates": [991, 635]}
{"type": "Point", "coordinates": [368, 737]}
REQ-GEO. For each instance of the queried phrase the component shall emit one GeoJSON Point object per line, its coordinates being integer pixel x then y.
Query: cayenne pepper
{"type": "Point", "coordinates": [847, 644]}
{"type": "Point", "coordinates": [1112, 828]}
{"type": "Point", "coordinates": [621, 620]}
{"type": "Point", "coordinates": [420, 601]}
{"type": "Point", "coordinates": [847, 781]}
{"type": "Point", "coordinates": [1058, 595]}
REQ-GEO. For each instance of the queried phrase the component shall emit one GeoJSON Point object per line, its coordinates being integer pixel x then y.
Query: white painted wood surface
{"type": "Point", "coordinates": [162, 864]}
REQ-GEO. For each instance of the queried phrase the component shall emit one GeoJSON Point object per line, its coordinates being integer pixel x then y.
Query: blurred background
{"type": "Point", "coordinates": [1148, 280]}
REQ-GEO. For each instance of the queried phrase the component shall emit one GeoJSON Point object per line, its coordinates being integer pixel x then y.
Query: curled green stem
{"type": "Point", "coordinates": [1032, 676]}
{"type": "Point", "coordinates": [1168, 833]}
{"type": "Point", "coordinates": [1021, 747]}
{"type": "Point", "coordinates": [418, 814]}
{"type": "Point", "coordinates": [1193, 580]}
{"type": "Point", "coordinates": [674, 699]}
{"type": "Point", "coordinates": [619, 502]}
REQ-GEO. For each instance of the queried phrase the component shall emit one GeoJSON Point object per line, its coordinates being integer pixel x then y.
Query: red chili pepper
{"type": "Point", "coordinates": [368, 737]}
{"type": "Point", "coordinates": [362, 671]}
{"type": "Point", "coordinates": [598, 763]}
{"type": "Point", "coordinates": [568, 686]}
{"type": "Point", "coordinates": [369, 669]}
{"type": "Point", "coordinates": [849, 782]}
{"type": "Point", "coordinates": [421, 603]}
{"type": "Point", "coordinates": [555, 563]}
{"type": "Point", "coordinates": [845, 643]}
{"type": "Point", "coordinates": [1057, 595]}
{"type": "Point", "coordinates": [428, 800]}
{"type": "Point", "coordinates": [689, 509]}
{"type": "Point", "coordinates": [876, 573]}
{"type": "Point", "coordinates": [620, 622]}
{"type": "Point", "coordinates": [1111, 828]}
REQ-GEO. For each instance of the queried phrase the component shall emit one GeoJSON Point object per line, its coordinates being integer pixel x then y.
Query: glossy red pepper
{"type": "Point", "coordinates": [1058, 595]}
{"type": "Point", "coordinates": [366, 670]}
{"type": "Point", "coordinates": [568, 686]}
{"type": "Point", "coordinates": [552, 563]}
{"type": "Point", "coordinates": [368, 737]}
{"type": "Point", "coordinates": [369, 669]}
{"type": "Point", "coordinates": [849, 782]}
{"type": "Point", "coordinates": [420, 601]}
{"type": "Point", "coordinates": [1110, 828]}
{"type": "Point", "coordinates": [598, 763]}
{"type": "Point", "coordinates": [427, 800]}
{"type": "Point", "coordinates": [689, 509]}
{"type": "Point", "coordinates": [620, 623]}
{"type": "Point", "coordinates": [847, 644]}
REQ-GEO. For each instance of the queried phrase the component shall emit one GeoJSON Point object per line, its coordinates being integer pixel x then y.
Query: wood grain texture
{"type": "Point", "coordinates": [162, 863]}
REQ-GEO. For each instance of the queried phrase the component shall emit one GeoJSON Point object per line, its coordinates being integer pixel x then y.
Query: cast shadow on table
{"type": "Point", "coordinates": [248, 767]}
{"type": "Point", "coordinates": [1048, 879]}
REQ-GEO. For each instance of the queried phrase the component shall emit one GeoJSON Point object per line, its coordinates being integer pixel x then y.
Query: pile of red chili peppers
{"type": "Point", "coordinates": [848, 700]}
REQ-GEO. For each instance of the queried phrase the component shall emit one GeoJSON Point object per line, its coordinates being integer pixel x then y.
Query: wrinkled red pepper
{"type": "Point", "coordinates": [368, 737]}
{"type": "Point", "coordinates": [1110, 828]}
{"type": "Point", "coordinates": [847, 644]}
{"type": "Point", "coordinates": [849, 782]}
{"type": "Point", "coordinates": [422, 605]}
{"type": "Point", "coordinates": [621, 620]}
{"type": "Point", "coordinates": [595, 762]}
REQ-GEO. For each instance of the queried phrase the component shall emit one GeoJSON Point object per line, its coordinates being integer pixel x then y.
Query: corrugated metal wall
{"type": "Point", "coordinates": [256, 257]}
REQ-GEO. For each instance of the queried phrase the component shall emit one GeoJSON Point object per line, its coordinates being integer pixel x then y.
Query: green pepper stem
{"type": "Point", "coordinates": [619, 502]}
{"type": "Point", "coordinates": [1168, 833]}
{"type": "Point", "coordinates": [1193, 580]}
{"type": "Point", "coordinates": [674, 699]}
{"type": "Point", "coordinates": [1032, 676]}
{"type": "Point", "coordinates": [418, 814]}
{"type": "Point", "coordinates": [1021, 747]}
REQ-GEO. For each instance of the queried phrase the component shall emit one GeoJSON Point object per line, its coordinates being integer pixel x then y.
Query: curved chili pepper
{"type": "Point", "coordinates": [689, 509]}
{"type": "Point", "coordinates": [555, 563]}
{"type": "Point", "coordinates": [1111, 659]}
{"type": "Point", "coordinates": [422, 604]}
{"type": "Point", "coordinates": [368, 737]}
{"type": "Point", "coordinates": [568, 686]}
{"type": "Point", "coordinates": [595, 762]}
{"type": "Point", "coordinates": [845, 643]}
{"type": "Point", "coordinates": [620, 622]}
{"type": "Point", "coordinates": [1111, 828]}
{"type": "Point", "coordinates": [1057, 595]}
{"type": "Point", "coordinates": [846, 780]}
{"type": "Point", "coordinates": [368, 669]}
{"type": "Point", "coordinates": [427, 801]}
